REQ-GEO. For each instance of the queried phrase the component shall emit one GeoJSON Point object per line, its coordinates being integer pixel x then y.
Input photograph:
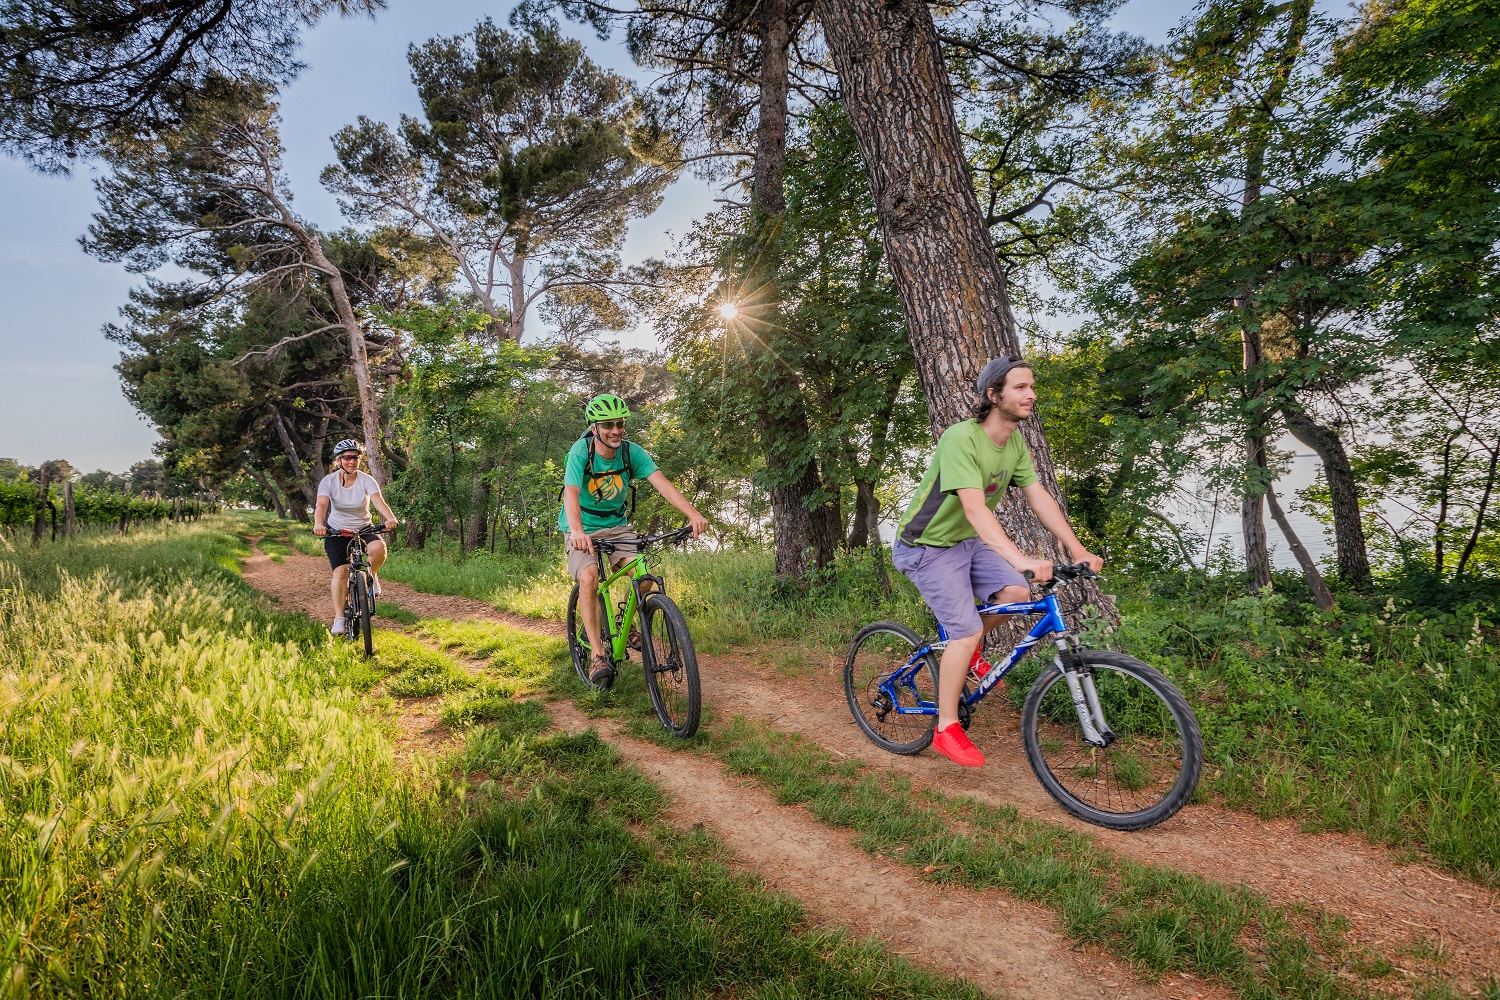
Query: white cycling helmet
{"type": "Point", "coordinates": [348, 444]}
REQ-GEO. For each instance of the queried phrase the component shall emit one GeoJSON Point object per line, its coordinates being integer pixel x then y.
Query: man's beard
{"type": "Point", "coordinates": [1012, 413]}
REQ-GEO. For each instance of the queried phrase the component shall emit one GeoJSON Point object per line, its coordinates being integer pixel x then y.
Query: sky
{"type": "Point", "coordinates": [59, 394]}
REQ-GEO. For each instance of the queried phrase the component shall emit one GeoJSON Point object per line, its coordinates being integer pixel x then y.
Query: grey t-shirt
{"type": "Point", "coordinates": [348, 506]}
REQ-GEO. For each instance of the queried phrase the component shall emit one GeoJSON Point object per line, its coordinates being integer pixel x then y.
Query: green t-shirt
{"type": "Point", "coordinates": [602, 498]}
{"type": "Point", "coordinates": [966, 458]}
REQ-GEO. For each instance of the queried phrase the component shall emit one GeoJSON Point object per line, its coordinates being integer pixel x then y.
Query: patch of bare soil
{"type": "Point", "coordinates": [1000, 944]}
{"type": "Point", "coordinates": [1393, 906]}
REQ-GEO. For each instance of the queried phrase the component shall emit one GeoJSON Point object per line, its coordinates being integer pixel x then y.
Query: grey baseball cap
{"type": "Point", "coordinates": [994, 372]}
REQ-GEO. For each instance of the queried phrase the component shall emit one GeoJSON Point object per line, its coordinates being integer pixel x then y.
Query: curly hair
{"type": "Point", "coordinates": [982, 406]}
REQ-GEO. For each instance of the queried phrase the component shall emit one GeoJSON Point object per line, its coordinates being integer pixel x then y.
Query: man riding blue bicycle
{"type": "Point", "coordinates": [951, 546]}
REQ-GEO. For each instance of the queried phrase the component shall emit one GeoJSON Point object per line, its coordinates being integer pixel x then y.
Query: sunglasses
{"type": "Point", "coordinates": [611, 425]}
{"type": "Point", "coordinates": [342, 458]}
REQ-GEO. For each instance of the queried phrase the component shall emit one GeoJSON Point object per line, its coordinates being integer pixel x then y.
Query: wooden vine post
{"type": "Point", "coordinates": [41, 505]}
{"type": "Point", "coordinates": [70, 512]}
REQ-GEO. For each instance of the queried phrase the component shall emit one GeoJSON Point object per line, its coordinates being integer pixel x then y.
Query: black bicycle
{"type": "Point", "coordinates": [359, 603]}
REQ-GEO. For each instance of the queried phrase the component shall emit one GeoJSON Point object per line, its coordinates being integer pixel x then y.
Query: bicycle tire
{"type": "Point", "coordinates": [1145, 775]}
{"type": "Point", "coordinates": [360, 627]}
{"type": "Point", "coordinates": [879, 650]}
{"type": "Point", "coordinates": [671, 665]}
{"type": "Point", "coordinates": [578, 643]}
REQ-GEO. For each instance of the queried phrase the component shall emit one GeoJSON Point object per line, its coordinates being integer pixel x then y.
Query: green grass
{"type": "Point", "coordinates": [731, 598]}
{"type": "Point", "coordinates": [197, 799]}
{"type": "Point", "coordinates": [1384, 722]}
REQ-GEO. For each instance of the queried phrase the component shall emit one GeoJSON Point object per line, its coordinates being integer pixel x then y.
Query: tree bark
{"type": "Point", "coordinates": [70, 512]}
{"type": "Point", "coordinates": [1348, 528]}
{"type": "Point", "coordinates": [1310, 571]}
{"type": "Point", "coordinates": [271, 491]}
{"type": "Point", "coordinates": [304, 478]}
{"type": "Point", "coordinates": [1484, 504]}
{"type": "Point", "coordinates": [479, 511]}
{"type": "Point", "coordinates": [1253, 521]}
{"type": "Point", "coordinates": [802, 536]}
{"type": "Point", "coordinates": [953, 290]}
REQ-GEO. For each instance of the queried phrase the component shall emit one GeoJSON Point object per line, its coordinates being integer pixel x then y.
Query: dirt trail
{"type": "Point", "coordinates": [1390, 905]}
{"type": "Point", "coordinates": [1000, 944]}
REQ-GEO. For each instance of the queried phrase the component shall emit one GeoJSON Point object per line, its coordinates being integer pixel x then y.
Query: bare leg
{"type": "Point", "coordinates": [1009, 595]}
{"type": "Point", "coordinates": [953, 668]}
{"type": "Point", "coordinates": [377, 552]}
{"type": "Point", "coordinates": [588, 606]}
{"type": "Point", "coordinates": [338, 588]}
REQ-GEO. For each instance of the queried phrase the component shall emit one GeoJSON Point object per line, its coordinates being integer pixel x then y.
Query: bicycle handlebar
{"type": "Point", "coordinates": [642, 542]}
{"type": "Point", "coordinates": [1065, 573]}
{"type": "Point", "coordinates": [371, 530]}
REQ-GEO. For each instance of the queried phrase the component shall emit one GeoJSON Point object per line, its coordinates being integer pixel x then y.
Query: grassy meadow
{"type": "Point", "coordinates": [198, 800]}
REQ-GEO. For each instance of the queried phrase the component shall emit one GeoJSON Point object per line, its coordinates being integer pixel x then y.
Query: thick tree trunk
{"type": "Point", "coordinates": [802, 536]}
{"type": "Point", "coordinates": [517, 269]}
{"type": "Point", "coordinates": [479, 511]}
{"type": "Point", "coordinates": [1348, 528]}
{"type": "Point", "coordinates": [953, 291]}
{"type": "Point", "coordinates": [1253, 521]}
{"type": "Point", "coordinates": [1310, 571]}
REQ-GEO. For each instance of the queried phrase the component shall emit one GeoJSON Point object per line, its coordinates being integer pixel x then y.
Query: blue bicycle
{"type": "Point", "coordinates": [1110, 738]}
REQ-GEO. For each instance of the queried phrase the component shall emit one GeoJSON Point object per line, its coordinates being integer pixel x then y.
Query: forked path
{"type": "Point", "coordinates": [1390, 905]}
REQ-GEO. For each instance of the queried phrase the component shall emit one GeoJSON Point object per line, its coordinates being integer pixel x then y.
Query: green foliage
{"type": "Point", "coordinates": [19, 503]}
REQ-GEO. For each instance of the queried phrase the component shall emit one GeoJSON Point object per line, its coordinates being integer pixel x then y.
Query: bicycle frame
{"type": "Point", "coordinates": [615, 625]}
{"type": "Point", "coordinates": [1080, 683]}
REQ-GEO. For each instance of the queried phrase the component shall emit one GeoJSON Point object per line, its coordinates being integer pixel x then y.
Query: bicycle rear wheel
{"type": "Point", "coordinates": [364, 606]}
{"type": "Point", "coordinates": [671, 665]}
{"type": "Point", "coordinates": [1145, 773]}
{"type": "Point", "coordinates": [578, 642]}
{"type": "Point", "coordinates": [879, 651]}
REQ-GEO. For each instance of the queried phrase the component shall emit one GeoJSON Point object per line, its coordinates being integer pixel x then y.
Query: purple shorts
{"type": "Point", "coordinates": [950, 579]}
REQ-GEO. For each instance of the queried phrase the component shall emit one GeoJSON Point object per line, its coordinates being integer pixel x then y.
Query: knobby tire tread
{"type": "Point", "coordinates": [1182, 715]}
{"type": "Point", "coordinates": [676, 628]}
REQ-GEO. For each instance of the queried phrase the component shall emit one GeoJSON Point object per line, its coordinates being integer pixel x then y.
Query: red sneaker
{"type": "Point", "coordinates": [954, 744]}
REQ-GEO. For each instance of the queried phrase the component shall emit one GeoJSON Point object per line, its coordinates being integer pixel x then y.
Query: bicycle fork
{"type": "Point", "coordinates": [1096, 731]}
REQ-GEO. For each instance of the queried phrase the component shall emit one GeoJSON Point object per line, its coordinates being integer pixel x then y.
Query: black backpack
{"type": "Point", "coordinates": [589, 475]}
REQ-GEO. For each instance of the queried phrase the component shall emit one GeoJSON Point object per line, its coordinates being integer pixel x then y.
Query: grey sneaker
{"type": "Point", "coordinates": [338, 627]}
{"type": "Point", "coordinates": [374, 585]}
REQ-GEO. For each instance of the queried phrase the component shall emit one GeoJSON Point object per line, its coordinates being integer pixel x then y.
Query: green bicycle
{"type": "Point", "coordinates": [666, 646]}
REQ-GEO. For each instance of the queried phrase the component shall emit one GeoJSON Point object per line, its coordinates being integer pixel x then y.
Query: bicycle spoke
{"type": "Point", "coordinates": [879, 683]}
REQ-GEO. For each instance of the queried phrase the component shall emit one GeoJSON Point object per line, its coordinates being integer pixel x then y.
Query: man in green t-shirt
{"type": "Point", "coordinates": [596, 483]}
{"type": "Point", "coordinates": [951, 546]}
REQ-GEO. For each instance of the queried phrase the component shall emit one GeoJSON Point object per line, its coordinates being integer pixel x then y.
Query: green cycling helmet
{"type": "Point", "coordinates": [606, 406]}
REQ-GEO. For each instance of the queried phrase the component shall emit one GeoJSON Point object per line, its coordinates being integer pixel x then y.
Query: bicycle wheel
{"type": "Point", "coordinates": [880, 650]}
{"type": "Point", "coordinates": [1147, 771]}
{"type": "Point", "coordinates": [671, 665]}
{"type": "Point", "coordinates": [578, 642]}
{"type": "Point", "coordinates": [364, 606]}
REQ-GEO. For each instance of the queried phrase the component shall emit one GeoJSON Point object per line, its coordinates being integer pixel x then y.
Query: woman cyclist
{"type": "Point", "coordinates": [344, 498]}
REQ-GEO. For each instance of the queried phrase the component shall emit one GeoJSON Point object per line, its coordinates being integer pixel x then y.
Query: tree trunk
{"type": "Point", "coordinates": [1253, 519]}
{"type": "Point", "coordinates": [40, 523]}
{"type": "Point", "coordinates": [1310, 572]}
{"type": "Point", "coordinates": [359, 359]}
{"type": "Point", "coordinates": [1348, 528]}
{"type": "Point", "coordinates": [70, 518]}
{"type": "Point", "coordinates": [1484, 505]}
{"type": "Point", "coordinates": [801, 535]}
{"type": "Point", "coordinates": [517, 270]}
{"type": "Point", "coordinates": [479, 511]}
{"type": "Point", "coordinates": [953, 291]}
{"type": "Point", "coordinates": [859, 528]}
{"type": "Point", "coordinates": [271, 491]}
{"type": "Point", "coordinates": [304, 477]}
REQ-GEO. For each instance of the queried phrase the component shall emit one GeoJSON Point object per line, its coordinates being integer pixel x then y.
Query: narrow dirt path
{"type": "Point", "coordinates": [1391, 905]}
{"type": "Point", "coordinates": [1000, 944]}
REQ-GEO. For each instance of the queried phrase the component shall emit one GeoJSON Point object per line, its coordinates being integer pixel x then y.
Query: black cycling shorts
{"type": "Point", "coordinates": [337, 546]}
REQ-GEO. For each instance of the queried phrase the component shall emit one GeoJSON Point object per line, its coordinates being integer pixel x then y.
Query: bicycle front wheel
{"type": "Point", "coordinates": [364, 606]}
{"type": "Point", "coordinates": [1154, 753]}
{"type": "Point", "coordinates": [671, 665]}
{"type": "Point", "coordinates": [880, 652]}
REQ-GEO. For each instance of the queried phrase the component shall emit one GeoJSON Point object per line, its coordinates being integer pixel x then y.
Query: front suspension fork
{"type": "Point", "coordinates": [1096, 731]}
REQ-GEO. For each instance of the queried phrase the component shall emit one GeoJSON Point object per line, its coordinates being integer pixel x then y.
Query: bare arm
{"type": "Point", "coordinates": [674, 497]}
{"type": "Point", "coordinates": [1052, 519]}
{"type": "Point", "coordinates": [320, 517]}
{"type": "Point", "coordinates": [990, 533]}
{"type": "Point", "coordinates": [574, 514]}
{"type": "Point", "coordinates": [378, 499]}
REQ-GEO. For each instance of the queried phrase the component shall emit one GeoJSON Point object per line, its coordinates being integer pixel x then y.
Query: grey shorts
{"type": "Point", "coordinates": [577, 561]}
{"type": "Point", "coordinates": [950, 579]}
